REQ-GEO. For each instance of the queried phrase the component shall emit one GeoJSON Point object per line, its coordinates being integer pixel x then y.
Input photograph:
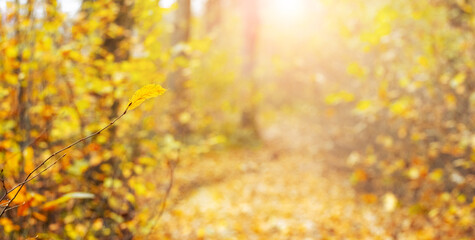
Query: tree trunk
{"type": "Point", "coordinates": [251, 25]}
{"type": "Point", "coordinates": [120, 47]}
{"type": "Point", "coordinates": [213, 15]}
{"type": "Point", "coordinates": [177, 79]}
{"type": "Point", "coordinates": [24, 125]}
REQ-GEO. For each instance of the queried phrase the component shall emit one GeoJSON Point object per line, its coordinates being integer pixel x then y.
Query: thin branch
{"type": "Point", "coordinates": [14, 155]}
{"type": "Point", "coordinates": [46, 168]}
{"type": "Point", "coordinates": [3, 185]}
{"type": "Point", "coordinates": [171, 166]}
{"type": "Point", "coordinates": [60, 151]}
{"type": "Point", "coordinates": [169, 188]}
{"type": "Point", "coordinates": [13, 207]}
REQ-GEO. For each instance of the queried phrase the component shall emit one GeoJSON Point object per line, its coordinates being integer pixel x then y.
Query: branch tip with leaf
{"type": "Point", "coordinates": [144, 93]}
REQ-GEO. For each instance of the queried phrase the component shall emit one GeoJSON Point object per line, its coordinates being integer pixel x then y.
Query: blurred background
{"type": "Point", "coordinates": [283, 119]}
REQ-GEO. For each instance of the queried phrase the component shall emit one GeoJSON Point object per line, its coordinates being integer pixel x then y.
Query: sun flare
{"type": "Point", "coordinates": [287, 10]}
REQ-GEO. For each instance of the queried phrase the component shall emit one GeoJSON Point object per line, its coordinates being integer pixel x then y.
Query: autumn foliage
{"type": "Point", "coordinates": [274, 119]}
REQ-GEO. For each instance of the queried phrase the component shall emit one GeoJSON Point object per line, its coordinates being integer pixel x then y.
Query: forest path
{"type": "Point", "coordinates": [260, 195]}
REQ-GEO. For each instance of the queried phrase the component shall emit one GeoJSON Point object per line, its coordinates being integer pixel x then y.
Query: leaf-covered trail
{"type": "Point", "coordinates": [258, 195]}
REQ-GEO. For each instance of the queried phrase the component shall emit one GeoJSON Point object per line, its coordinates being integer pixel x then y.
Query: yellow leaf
{"type": "Point", "coordinates": [22, 196]}
{"type": "Point", "coordinates": [436, 175]}
{"type": "Point", "coordinates": [413, 173]}
{"type": "Point", "coordinates": [8, 225]}
{"type": "Point", "coordinates": [359, 175]}
{"type": "Point", "coordinates": [29, 160]}
{"type": "Point", "coordinates": [146, 92]}
{"type": "Point", "coordinates": [451, 101]}
{"type": "Point", "coordinates": [390, 202]}
{"type": "Point", "coordinates": [369, 198]}
{"type": "Point", "coordinates": [363, 105]}
{"type": "Point", "coordinates": [74, 195]}
{"type": "Point", "coordinates": [11, 52]}
{"type": "Point", "coordinates": [339, 97]}
{"type": "Point", "coordinates": [356, 70]}
{"type": "Point", "coordinates": [401, 106]}
{"type": "Point", "coordinates": [424, 61]}
{"type": "Point", "coordinates": [40, 216]}
{"type": "Point", "coordinates": [458, 80]}
{"type": "Point", "coordinates": [26, 53]}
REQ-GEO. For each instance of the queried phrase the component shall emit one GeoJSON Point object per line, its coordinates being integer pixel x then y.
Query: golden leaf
{"type": "Point", "coordinates": [63, 199]}
{"type": "Point", "coordinates": [28, 160]}
{"type": "Point", "coordinates": [146, 92]}
{"type": "Point", "coordinates": [390, 202]}
{"type": "Point", "coordinates": [40, 216]}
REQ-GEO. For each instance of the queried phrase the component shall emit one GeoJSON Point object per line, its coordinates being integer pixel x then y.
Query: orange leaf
{"type": "Point", "coordinates": [40, 216]}
{"type": "Point", "coordinates": [29, 160]}
{"type": "Point", "coordinates": [23, 208]}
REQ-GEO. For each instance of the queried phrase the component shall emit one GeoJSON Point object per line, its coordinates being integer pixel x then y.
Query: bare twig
{"type": "Point", "coordinates": [13, 207]}
{"type": "Point", "coordinates": [3, 185]}
{"type": "Point", "coordinates": [171, 166]}
{"type": "Point", "coordinates": [46, 168]}
{"type": "Point", "coordinates": [58, 152]}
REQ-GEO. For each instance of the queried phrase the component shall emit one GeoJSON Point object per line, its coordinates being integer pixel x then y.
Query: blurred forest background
{"type": "Point", "coordinates": [283, 119]}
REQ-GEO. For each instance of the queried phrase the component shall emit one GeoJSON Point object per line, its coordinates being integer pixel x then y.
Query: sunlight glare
{"type": "Point", "coordinates": [287, 10]}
